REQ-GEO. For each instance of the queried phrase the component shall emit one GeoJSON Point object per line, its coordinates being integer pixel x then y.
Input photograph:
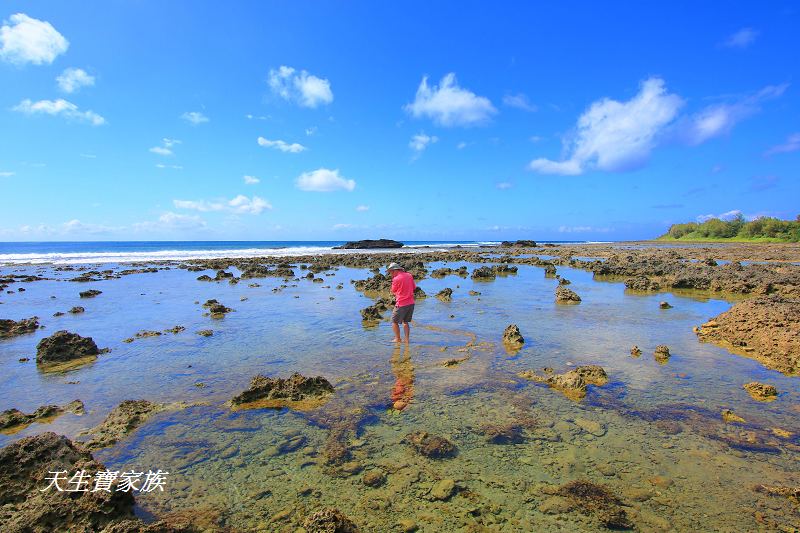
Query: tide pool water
{"type": "Point", "coordinates": [653, 435]}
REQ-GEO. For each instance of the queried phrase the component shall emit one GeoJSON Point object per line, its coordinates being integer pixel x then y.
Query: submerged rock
{"type": "Point", "coordinates": [329, 520]}
{"type": "Point", "coordinates": [123, 419]}
{"type": "Point", "coordinates": [77, 310]}
{"type": "Point", "coordinates": [729, 417]}
{"type": "Point", "coordinates": [565, 295]}
{"type": "Point", "coordinates": [293, 389]}
{"type": "Point", "coordinates": [597, 501]}
{"type": "Point", "coordinates": [205, 332]}
{"type": "Point", "coordinates": [374, 478]}
{"type": "Point", "coordinates": [25, 466]}
{"type": "Point", "coordinates": [63, 346]}
{"type": "Point", "coordinates": [443, 489]}
{"type": "Point", "coordinates": [12, 328]}
{"type": "Point", "coordinates": [573, 383]}
{"type": "Point", "coordinates": [761, 392]}
{"type": "Point", "coordinates": [431, 446]}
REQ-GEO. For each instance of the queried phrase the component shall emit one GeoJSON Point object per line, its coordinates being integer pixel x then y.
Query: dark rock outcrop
{"type": "Point", "coordinates": [445, 295]}
{"type": "Point", "coordinates": [12, 419]}
{"type": "Point", "coordinates": [91, 293]}
{"type": "Point", "coordinates": [761, 391]}
{"type": "Point", "coordinates": [370, 244]}
{"type": "Point", "coordinates": [216, 309]}
{"type": "Point", "coordinates": [63, 346]}
{"type": "Point", "coordinates": [12, 328]}
{"type": "Point", "coordinates": [512, 336]}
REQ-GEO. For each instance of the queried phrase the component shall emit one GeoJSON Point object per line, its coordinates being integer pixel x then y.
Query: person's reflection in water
{"type": "Point", "coordinates": [403, 370]}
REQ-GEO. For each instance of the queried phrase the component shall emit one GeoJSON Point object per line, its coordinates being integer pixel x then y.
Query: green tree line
{"type": "Point", "coordinates": [762, 228]}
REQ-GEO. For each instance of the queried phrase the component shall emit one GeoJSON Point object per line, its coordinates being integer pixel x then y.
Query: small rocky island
{"type": "Point", "coordinates": [369, 244]}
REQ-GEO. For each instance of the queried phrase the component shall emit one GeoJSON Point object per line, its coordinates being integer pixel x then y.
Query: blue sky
{"type": "Point", "coordinates": [413, 120]}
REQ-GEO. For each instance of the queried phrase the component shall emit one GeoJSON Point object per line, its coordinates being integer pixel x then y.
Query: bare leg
{"type": "Point", "coordinates": [406, 330]}
{"type": "Point", "coordinates": [396, 329]}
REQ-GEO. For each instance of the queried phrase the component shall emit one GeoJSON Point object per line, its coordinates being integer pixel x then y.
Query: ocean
{"type": "Point", "coordinates": [142, 251]}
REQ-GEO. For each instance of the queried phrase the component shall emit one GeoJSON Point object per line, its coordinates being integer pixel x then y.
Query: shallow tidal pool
{"type": "Point", "coordinates": [653, 435]}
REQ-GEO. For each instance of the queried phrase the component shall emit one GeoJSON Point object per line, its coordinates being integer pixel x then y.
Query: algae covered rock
{"type": "Point", "coordinates": [329, 520]}
{"type": "Point", "coordinates": [12, 328]}
{"type": "Point", "coordinates": [296, 388]}
{"type": "Point", "coordinates": [63, 346]}
{"type": "Point", "coordinates": [598, 502]}
{"type": "Point", "coordinates": [565, 295]}
{"type": "Point", "coordinates": [445, 295]}
{"type": "Point", "coordinates": [573, 383]}
{"type": "Point", "coordinates": [761, 391]}
{"type": "Point", "coordinates": [512, 338]}
{"type": "Point", "coordinates": [431, 446]}
{"type": "Point", "coordinates": [662, 354]}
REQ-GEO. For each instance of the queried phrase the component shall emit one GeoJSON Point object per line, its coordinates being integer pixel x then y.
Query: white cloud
{"type": "Point", "coordinates": [241, 204]}
{"type": "Point", "coordinates": [311, 131]}
{"type": "Point", "coordinates": [728, 215]}
{"type": "Point", "coordinates": [76, 226]}
{"type": "Point", "coordinates": [616, 136]}
{"type": "Point", "coordinates": [88, 156]}
{"type": "Point", "coordinates": [194, 117]}
{"type": "Point", "coordinates": [582, 229]}
{"type": "Point", "coordinates": [171, 221]}
{"type": "Point", "coordinates": [719, 119]}
{"type": "Point", "coordinates": [160, 150]}
{"type": "Point", "coordinates": [324, 180]}
{"type": "Point", "coordinates": [174, 167]}
{"type": "Point", "coordinates": [251, 206]}
{"type": "Point", "coordinates": [362, 208]}
{"type": "Point", "coordinates": [283, 146]}
{"type": "Point", "coordinates": [503, 185]}
{"type": "Point", "coordinates": [420, 142]}
{"type": "Point", "coordinates": [792, 144]}
{"type": "Point", "coordinates": [250, 116]}
{"type": "Point", "coordinates": [450, 105]}
{"type": "Point", "coordinates": [6, 174]}
{"type": "Point", "coordinates": [27, 40]}
{"type": "Point", "coordinates": [73, 79]}
{"type": "Point", "coordinates": [741, 39]}
{"type": "Point", "coordinates": [462, 145]}
{"type": "Point", "coordinates": [342, 226]}
{"type": "Point", "coordinates": [166, 146]}
{"type": "Point", "coordinates": [59, 107]}
{"type": "Point", "coordinates": [520, 101]}
{"type": "Point", "coordinates": [301, 87]}
{"type": "Point", "coordinates": [251, 180]}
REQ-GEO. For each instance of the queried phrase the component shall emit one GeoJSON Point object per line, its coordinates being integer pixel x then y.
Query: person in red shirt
{"type": "Point", "coordinates": [403, 289]}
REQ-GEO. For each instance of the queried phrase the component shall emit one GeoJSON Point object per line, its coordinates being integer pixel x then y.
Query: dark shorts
{"type": "Point", "coordinates": [403, 314]}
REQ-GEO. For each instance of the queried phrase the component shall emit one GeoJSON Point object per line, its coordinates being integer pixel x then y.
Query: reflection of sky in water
{"type": "Point", "coordinates": [300, 328]}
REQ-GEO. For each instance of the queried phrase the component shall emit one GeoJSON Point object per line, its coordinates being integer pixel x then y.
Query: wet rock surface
{"type": "Point", "coordinates": [12, 328]}
{"type": "Point", "coordinates": [573, 383]}
{"type": "Point", "coordinates": [445, 295]}
{"type": "Point", "coordinates": [24, 506]}
{"type": "Point", "coordinates": [374, 313]}
{"type": "Point", "coordinates": [296, 388]}
{"type": "Point", "coordinates": [216, 309]}
{"type": "Point", "coordinates": [63, 346]}
{"type": "Point", "coordinates": [661, 354]}
{"type": "Point", "coordinates": [123, 419]}
{"type": "Point", "coordinates": [13, 419]}
{"type": "Point", "coordinates": [766, 328]}
{"type": "Point", "coordinates": [91, 293]}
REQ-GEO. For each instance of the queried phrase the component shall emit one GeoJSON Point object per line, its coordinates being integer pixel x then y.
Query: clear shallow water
{"type": "Point", "coordinates": [225, 463]}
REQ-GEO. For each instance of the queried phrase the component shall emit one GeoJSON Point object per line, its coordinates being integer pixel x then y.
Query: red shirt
{"type": "Point", "coordinates": [403, 288]}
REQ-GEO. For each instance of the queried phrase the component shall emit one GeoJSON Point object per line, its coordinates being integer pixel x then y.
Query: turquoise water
{"type": "Point", "coordinates": [225, 466]}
